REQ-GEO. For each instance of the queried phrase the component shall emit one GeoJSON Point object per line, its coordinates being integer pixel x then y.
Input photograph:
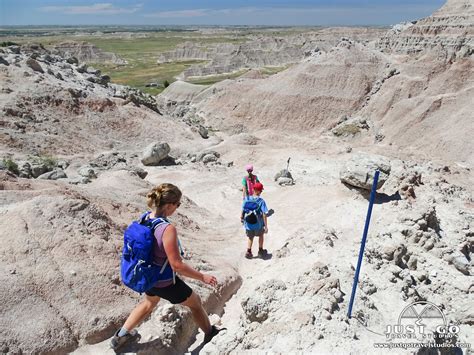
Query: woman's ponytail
{"type": "Point", "coordinates": [163, 194]}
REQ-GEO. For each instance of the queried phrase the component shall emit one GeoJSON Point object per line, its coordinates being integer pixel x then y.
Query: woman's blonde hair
{"type": "Point", "coordinates": [163, 194]}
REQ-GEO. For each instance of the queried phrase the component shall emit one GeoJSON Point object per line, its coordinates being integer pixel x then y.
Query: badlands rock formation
{"type": "Point", "coordinates": [260, 51]}
{"type": "Point", "coordinates": [87, 53]}
{"type": "Point", "coordinates": [397, 96]}
{"type": "Point", "coordinates": [450, 28]}
{"type": "Point", "coordinates": [61, 239]}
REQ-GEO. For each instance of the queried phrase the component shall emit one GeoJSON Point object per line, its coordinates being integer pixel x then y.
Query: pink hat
{"type": "Point", "coordinates": [249, 167]}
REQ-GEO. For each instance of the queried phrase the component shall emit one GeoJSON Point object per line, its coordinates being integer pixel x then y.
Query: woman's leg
{"type": "Point", "coordinates": [199, 314]}
{"type": "Point", "coordinates": [141, 311]}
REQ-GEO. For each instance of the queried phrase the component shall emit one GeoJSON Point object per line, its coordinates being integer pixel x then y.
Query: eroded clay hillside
{"type": "Point", "coordinates": [417, 100]}
{"type": "Point", "coordinates": [450, 29]}
{"type": "Point", "coordinates": [261, 50]}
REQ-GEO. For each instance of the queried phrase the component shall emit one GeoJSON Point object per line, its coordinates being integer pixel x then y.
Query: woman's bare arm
{"type": "Point", "coordinates": [170, 243]}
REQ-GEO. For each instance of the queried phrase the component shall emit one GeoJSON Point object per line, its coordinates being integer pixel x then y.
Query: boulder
{"type": "Point", "coordinates": [33, 64]}
{"type": "Point", "coordinates": [256, 307]}
{"type": "Point", "coordinates": [4, 61]}
{"type": "Point", "coordinates": [284, 181]}
{"type": "Point", "coordinates": [204, 133]}
{"type": "Point", "coordinates": [53, 175]}
{"type": "Point", "coordinates": [75, 93]}
{"type": "Point", "coordinates": [461, 264]}
{"type": "Point", "coordinates": [283, 173]}
{"type": "Point", "coordinates": [350, 127]}
{"type": "Point", "coordinates": [82, 68]}
{"type": "Point", "coordinates": [360, 171]}
{"type": "Point", "coordinates": [93, 71]}
{"type": "Point", "coordinates": [15, 49]}
{"type": "Point", "coordinates": [209, 158]}
{"type": "Point", "coordinates": [24, 169]}
{"type": "Point", "coordinates": [155, 153]}
{"type": "Point", "coordinates": [72, 60]}
{"type": "Point", "coordinates": [104, 79]}
{"type": "Point", "coordinates": [47, 58]}
{"type": "Point", "coordinates": [87, 172]}
{"type": "Point", "coordinates": [39, 169]}
{"type": "Point", "coordinates": [139, 171]}
{"type": "Point", "coordinates": [201, 155]}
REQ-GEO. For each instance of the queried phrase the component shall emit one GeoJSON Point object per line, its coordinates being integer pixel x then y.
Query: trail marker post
{"type": "Point", "coordinates": [362, 244]}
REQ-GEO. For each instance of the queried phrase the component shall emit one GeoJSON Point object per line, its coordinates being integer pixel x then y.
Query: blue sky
{"type": "Point", "coordinates": [213, 12]}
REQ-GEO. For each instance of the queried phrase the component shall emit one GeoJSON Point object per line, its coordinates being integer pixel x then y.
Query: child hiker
{"type": "Point", "coordinates": [249, 181]}
{"type": "Point", "coordinates": [254, 217]}
{"type": "Point", "coordinates": [165, 260]}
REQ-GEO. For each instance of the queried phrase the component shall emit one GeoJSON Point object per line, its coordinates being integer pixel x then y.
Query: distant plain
{"type": "Point", "coordinates": [141, 47]}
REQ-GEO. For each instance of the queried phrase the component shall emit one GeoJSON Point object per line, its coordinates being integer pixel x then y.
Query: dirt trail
{"type": "Point", "coordinates": [219, 192]}
{"type": "Point", "coordinates": [303, 206]}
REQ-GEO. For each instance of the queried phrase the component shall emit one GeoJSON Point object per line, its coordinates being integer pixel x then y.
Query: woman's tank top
{"type": "Point", "coordinates": [159, 254]}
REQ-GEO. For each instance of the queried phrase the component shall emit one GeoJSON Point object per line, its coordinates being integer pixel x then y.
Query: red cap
{"type": "Point", "coordinates": [258, 186]}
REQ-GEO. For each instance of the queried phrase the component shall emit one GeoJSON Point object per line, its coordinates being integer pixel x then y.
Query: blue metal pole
{"type": "Point", "coordinates": [362, 244]}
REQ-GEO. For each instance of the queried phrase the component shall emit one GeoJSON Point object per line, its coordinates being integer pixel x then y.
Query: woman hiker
{"type": "Point", "coordinates": [163, 200]}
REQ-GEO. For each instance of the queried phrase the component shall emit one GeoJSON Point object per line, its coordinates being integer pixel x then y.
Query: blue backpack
{"type": "Point", "coordinates": [252, 210]}
{"type": "Point", "coordinates": [136, 267]}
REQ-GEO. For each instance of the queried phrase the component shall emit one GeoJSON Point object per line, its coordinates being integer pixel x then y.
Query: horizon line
{"type": "Point", "coordinates": [198, 25]}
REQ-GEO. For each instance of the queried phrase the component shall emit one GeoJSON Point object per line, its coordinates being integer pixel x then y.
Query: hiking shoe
{"type": "Point", "coordinates": [249, 255]}
{"type": "Point", "coordinates": [262, 253]}
{"type": "Point", "coordinates": [212, 334]}
{"type": "Point", "coordinates": [117, 341]}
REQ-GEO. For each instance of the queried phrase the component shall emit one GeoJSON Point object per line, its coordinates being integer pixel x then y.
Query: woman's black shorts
{"type": "Point", "coordinates": [176, 293]}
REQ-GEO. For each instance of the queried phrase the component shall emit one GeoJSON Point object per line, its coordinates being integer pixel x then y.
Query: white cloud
{"type": "Point", "coordinates": [203, 12]}
{"type": "Point", "coordinates": [95, 9]}
{"type": "Point", "coordinates": [180, 13]}
{"type": "Point", "coordinates": [320, 12]}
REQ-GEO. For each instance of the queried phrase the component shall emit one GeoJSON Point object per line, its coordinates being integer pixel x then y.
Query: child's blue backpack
{"type": "Point", "coordinates": [136, 267]}
{"type": "Point", "coordinates": [252, 210]}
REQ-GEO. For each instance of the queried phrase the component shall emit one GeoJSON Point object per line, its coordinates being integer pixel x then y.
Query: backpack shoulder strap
{"type": "Point", "coordinates": [143, 217]}
{"type": "Point", "coordinates": [247, 183]}
{"type": "Point", "coordinates": [152, 222]}
{"type": "Point", "coordinates": [258, 201]}
{"type": "Point", "coordinates": [160, 220]}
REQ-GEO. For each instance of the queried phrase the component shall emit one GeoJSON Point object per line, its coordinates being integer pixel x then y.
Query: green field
{"type": "Point", "coordinates": [142, 54]}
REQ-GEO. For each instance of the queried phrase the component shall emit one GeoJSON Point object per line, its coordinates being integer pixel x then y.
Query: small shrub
{"type": "Point", "coordinates": [8, 43]}
{"type": "Point", "coordinates": [11, 166]}
{"type": "Point", "coordinates": [166, 83]}
{"type": "Point", "coordinates": [346, 130]}
{"type": "Point", "coordinates": [47, 160]}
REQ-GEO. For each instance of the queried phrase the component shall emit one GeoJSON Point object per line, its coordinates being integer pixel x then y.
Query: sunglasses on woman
{"type": "Point", "coordinates": [178, 204]}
